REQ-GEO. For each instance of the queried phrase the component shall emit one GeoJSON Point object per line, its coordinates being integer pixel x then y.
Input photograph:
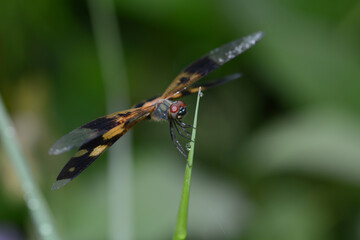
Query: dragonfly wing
{"type": "Point", "coordinates": [86, 155]}
{"type": "Point", "coordinates": [210, 62]}
{"type": "Point", "coordinates": [74, 139]}
{"type": "Point", "coordinates": [91, 149]}
{"type": "Point", "coordinates": [90, 131]}
{"type": "Point", "coordinates": [206, 86]}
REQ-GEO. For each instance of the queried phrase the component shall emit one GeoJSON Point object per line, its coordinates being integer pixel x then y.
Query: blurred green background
{"type": "Point", "coordinates": [277, 153]}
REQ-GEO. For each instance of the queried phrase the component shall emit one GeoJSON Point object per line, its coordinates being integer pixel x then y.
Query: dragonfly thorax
{"type": "Point", "coordinates": [167, 109]}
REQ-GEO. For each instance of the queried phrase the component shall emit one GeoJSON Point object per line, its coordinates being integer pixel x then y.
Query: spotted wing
{"type": "Point", "coordinates": [94, 138]}
{"type": "Point", "coordinates": [206, 86]}
{"type": "Point", "coordinates": [210, 62]}
{"type": "Point", "coordinates": [90, 131]}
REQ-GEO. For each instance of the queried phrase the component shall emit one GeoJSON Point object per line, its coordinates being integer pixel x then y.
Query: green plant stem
{"type": "Point", "coordinates": [35, 201]}
{"type": "Point", "coordinates": [181, 225]}
{"type": "Point", "coordinates": [120, 171]}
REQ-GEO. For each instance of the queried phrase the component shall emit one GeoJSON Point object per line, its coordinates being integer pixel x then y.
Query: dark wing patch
{"type": "Point", "coordinates": [204, 87]}
{"type": "Point", "coordinates": [202, 66]}
{"type": "Point", "coordinates": [89, 131]}
{"type": "Point", "coordinates": [210, 62]}
{"type": "Point", "coordinates": [184, 80]}
{"type": "Point", "coordinates": [93, 149]}
{"type": "Point", "coordinates": [86, 155]}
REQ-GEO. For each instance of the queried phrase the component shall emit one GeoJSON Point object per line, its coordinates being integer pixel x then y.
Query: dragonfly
{"type": "Point", "coordinates": [95, 137]}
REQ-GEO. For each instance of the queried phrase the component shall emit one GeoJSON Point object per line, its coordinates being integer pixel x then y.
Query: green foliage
{"type": "Point", "coordinates": [278, 151]}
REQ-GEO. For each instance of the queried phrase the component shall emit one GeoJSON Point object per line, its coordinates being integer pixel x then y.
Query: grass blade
{"type": "Point", "coordinates": [35, 201]}
{"type": "Point", "coordinates": [181, 225]}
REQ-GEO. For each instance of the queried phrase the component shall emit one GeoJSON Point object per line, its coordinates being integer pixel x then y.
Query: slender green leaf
{"type": "Point", "coordinates": [181, 225]}
{"type": "Point", "coordinates": [35, 201]}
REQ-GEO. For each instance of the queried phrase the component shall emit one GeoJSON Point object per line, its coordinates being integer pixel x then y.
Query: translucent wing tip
{"type": "Point", "coordinates": [54, 150]}
{"type": "Point", "coordinates": [234, 76]}
{"type": "Point", "coordinates": [256, 36]}
{"type": "Point", "coordinates": [230, 50]}
{"type": "Point", "coordinates": [74, 139]}
{"type": "Point", "coordinates": [60, 183]}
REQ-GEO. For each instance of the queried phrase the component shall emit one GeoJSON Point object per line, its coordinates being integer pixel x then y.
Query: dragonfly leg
{"type": "Point", "coordinates": [176, 141]}
{"type": "Point", "coordinates": [184, 125]}
{"type": "Point", "coordinates": [187, 134]}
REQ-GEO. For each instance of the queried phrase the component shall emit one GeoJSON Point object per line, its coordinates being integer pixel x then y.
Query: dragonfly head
{"type": "Point", "coordinates": [177, 110]}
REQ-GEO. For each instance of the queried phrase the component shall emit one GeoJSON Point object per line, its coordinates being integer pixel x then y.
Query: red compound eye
{"type": "Point", "coordinates": [181, 104]}
{"type": "Point", "coordinates": [174, 108]}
